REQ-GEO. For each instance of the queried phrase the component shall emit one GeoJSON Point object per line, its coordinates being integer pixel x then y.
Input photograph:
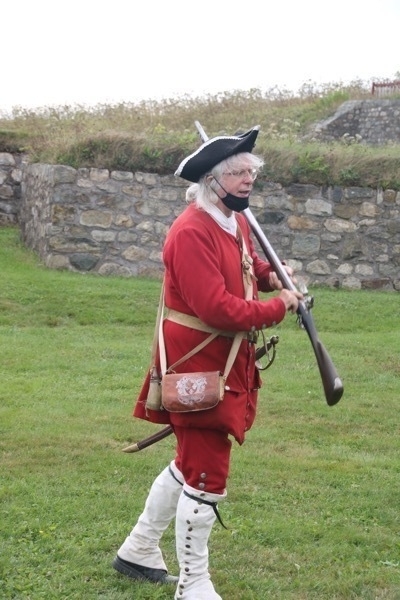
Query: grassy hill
{"type": "Point", "coordinates": [153, 136]}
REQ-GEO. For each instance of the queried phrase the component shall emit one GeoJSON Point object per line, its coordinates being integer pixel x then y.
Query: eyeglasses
{"type": "Point", "coordinates": [252, 173]}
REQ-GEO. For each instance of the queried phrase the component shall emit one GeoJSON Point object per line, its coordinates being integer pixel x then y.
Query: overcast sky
{"type": "Point", "coordinates": [89, 52]}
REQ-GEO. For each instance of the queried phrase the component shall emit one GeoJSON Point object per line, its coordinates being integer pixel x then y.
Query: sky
{"type": "Point", "coordinates": [87, 52]}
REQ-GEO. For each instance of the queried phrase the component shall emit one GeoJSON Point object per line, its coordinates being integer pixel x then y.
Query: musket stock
{"type": "Point", "coordinates": [331, 381]}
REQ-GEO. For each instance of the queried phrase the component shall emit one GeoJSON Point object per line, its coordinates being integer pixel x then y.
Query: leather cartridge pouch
{"type": "Point", "coordinates": [188, 392]}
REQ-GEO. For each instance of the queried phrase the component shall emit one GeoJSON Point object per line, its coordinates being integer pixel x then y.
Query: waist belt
{"type": "Point", "coordinates": [196, 323]}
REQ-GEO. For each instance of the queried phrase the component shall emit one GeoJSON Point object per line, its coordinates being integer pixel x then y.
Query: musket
{"type": "Point", "coordinates": [331, 381]}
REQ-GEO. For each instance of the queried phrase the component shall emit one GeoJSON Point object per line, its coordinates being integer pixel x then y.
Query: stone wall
{"type": "Point", "coordinates": [10, 187]}
{"type": "Point", "coordinates": [96, 220]}
{"type": "Point", "coordinates": [115, 223]}
{"type": "Point", "coordinates": [372, 122]}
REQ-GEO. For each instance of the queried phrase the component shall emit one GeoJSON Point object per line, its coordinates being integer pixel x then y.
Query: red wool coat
{"type": "Point", "coordinates": [203, 277]}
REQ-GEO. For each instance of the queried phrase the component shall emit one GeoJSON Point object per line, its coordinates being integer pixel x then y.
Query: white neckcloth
{"type": "Point", "coordinates": [228, 224]}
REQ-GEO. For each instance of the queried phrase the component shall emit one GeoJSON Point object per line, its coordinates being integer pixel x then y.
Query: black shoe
{"type": "Point", "coordinates": [135, 571]}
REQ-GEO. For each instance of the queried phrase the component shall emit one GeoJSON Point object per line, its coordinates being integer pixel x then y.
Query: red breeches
{"type": "Point", "coordinates": [203, 457]}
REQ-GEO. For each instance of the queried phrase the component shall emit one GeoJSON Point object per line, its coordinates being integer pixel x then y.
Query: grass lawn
{"type": "Point", "coordinates": [313, 497]}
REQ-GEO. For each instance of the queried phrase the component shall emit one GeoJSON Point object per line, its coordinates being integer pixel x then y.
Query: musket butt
{"type": "Point", "coordinates": [132, 448]}
{"type": "Point", "coordinates": [337, 392]}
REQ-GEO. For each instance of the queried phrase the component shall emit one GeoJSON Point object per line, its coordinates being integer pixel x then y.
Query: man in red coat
{"type": "Point", "coordinates": [204, 288]}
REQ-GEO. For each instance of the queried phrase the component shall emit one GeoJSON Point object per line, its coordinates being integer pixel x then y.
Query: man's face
{"type": "Point", "coordinates": [239, 182]}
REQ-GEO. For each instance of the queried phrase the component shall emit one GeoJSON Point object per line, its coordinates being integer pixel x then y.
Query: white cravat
{"type": "Point", "coordinates": [228, 224]}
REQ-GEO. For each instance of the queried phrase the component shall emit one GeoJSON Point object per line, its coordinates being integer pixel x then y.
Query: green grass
{"type": "Point", "coordinates": [313, 495]}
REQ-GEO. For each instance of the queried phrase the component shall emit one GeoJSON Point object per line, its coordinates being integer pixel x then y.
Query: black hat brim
{"type": "Point", "coordinates": [214, 151]}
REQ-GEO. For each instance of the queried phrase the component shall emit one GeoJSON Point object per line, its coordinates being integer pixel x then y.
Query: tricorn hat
{"type": "Point", "coordinates": [213, 152]}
